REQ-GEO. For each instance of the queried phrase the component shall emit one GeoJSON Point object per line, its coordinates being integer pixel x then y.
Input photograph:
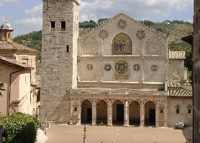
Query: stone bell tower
{"type": "Point", "coordinates": [59, 58]}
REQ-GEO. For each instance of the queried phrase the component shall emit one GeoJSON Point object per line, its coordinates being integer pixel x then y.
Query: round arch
{"type": "Point", "coordinates": [134, 113]}
{"type": "Point", "coordinates": [86, 112]}
{"type": "Point", "coordinates": [102, 112]}
{"type": "Point", "coordinates": [118, 112]}
{"type": "Point", "coordinates": [122, 44]}
{"type": "Point", "coordinates": [150, 113]}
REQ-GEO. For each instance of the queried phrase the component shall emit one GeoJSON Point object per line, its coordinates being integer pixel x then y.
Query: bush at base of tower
{"type": "Point", "coordinates": [21, 128]}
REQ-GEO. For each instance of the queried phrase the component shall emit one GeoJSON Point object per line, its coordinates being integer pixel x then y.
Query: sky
{"type": "Point", "coordinates": [26, 15]}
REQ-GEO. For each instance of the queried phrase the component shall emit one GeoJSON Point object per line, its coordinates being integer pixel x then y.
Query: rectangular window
{"type": "Point", "coordinates": [177, 111]}
{"type": "Point", "coordinates": [161, 111]}
{"type": "Point", "coordinates": [189, 111]}
{"type": "Point", "coordinates": [63, 25]}
{"type": "Point", "coordinates": [75, 109]}
{"type": "Point", "coordinates": [24, 61]}
{"type": "Point", "coordinates": [67, 48]}
{"type": "Point", "coordinates": [53, 24]}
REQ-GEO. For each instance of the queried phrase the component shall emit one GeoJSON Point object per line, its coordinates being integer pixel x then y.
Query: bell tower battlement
{"type": "Point", "coordinates": [59, 57]}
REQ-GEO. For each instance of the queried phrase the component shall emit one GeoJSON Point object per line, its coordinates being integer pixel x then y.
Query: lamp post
{"type": "Point", "coordinates": [84, 134]}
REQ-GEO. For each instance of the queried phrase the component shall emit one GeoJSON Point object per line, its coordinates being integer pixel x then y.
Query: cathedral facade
{"type": "Point", "coordinates": [118, 73]}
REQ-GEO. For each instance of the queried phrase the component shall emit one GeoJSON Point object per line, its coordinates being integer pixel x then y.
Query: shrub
{"type": "Point", "coordinates": [21, 128]}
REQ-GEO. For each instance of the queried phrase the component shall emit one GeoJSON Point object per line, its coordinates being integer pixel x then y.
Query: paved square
{"type": "Point", "coordinates": [100, 134]}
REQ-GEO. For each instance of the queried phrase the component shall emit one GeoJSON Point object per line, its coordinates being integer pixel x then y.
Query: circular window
{"type": "Point", "coordinates": [121, 67]}
{"type": "Point", "coordinates": [154, 67]}
{"type": "Point", "coordinates": [136, 67]}
{"type": "Point", "coordinates": [90, 67]}
{"type": "Point", "coordinates": [107, 67]}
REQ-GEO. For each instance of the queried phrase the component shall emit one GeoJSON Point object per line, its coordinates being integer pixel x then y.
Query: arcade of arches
{"type": "Point", "coordinates": [119, 112]}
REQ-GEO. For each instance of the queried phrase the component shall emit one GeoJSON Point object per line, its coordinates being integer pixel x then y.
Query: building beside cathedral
{"type": "Point", "coordinates": [17, 72]}
{"type": "Point", "coordinates": [118, 73]}
{"type": "Point", "coordinates": [196, 71]}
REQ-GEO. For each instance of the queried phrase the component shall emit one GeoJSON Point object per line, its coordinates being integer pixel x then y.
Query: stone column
{"type": "Point", "coordinates": [94, 113]}
{"type": "Point", "coordinates": [79, 114]}
{"type": "Point", "coordinates": [142, 114]}
{"type": "Point", "coordinates": [109, 116]}
{"type": "Point", "coordinates": [166, 114]}
{"type": "Point", "coordinates": [157, 115]}
{"type": "Point", "coordinates": [71, 113]}
{"type": "Point", "coordinates": [126, 114]}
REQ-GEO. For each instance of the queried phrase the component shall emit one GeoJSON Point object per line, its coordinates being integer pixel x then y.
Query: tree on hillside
{"type": "Point", "coordinates": [102, 20]}
{"type": "Point", "coordinates": [88, 24]}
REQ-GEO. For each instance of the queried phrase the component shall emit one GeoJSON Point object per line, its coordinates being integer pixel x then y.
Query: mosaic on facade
{"type": "Point", "coordinates": [122, 45]}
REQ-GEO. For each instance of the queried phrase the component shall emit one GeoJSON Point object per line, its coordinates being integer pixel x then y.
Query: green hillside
{"type": "Point", "coordinates": [174, 30]}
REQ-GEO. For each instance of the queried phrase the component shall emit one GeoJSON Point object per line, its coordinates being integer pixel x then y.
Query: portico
{"type": "Point", "coordinates": [131, 110]}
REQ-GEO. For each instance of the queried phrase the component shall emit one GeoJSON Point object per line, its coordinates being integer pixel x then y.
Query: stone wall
{"type": "Point", "coordinates": [146, 61]}
{"type": "Point", "coordinates": [176, 70]}
{"type": "Point", "coordinates": [196, 70]}
{"type": "Point", "coordinates": [183, 104]}
{"type": "Point", "coordinates": [59, 50]}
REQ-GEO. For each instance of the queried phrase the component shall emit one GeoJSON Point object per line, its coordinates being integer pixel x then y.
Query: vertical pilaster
{"type": "Point", "coordinates": [94, 113]}
{"type": "Point", "coordinates": [79, 114]}
{"type": "Point", "coordinates": [109, 116]}
{"type": "Point", "coordinates": [157, 115]}
{"type": "Point", "coordinates": [166, 114]}
{"type": "Point", "coordinates": [142, 114]}
{"type": "Point", "coordinates": [126, 114]}
{"type": "Point", "coordinates": [71, 113]}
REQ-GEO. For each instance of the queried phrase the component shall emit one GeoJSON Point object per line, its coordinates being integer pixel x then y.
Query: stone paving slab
{"type": "Point", "coordinates": [101, 134]}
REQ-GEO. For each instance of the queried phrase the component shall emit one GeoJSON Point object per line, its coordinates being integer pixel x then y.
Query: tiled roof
{"type": "Point", "coordinates": [177, 55]}
{"type": "Point", "coordinates": [13, 62]}
{"type": "Point", "coordinates": [12, 46]}
{"type": "Point", "coordinates": [180, 92]}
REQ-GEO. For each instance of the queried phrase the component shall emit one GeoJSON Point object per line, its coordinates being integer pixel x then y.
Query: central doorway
{"type": "Point", "coordinates": [134, 113]}
{"type": "Point", "coordinates": [101, 112]}
{"type": "Point", "coordinates": [118, 113]}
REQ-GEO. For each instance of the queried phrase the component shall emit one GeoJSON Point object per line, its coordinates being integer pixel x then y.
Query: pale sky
{"type": "Point", "coordinates": [26, 15]}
